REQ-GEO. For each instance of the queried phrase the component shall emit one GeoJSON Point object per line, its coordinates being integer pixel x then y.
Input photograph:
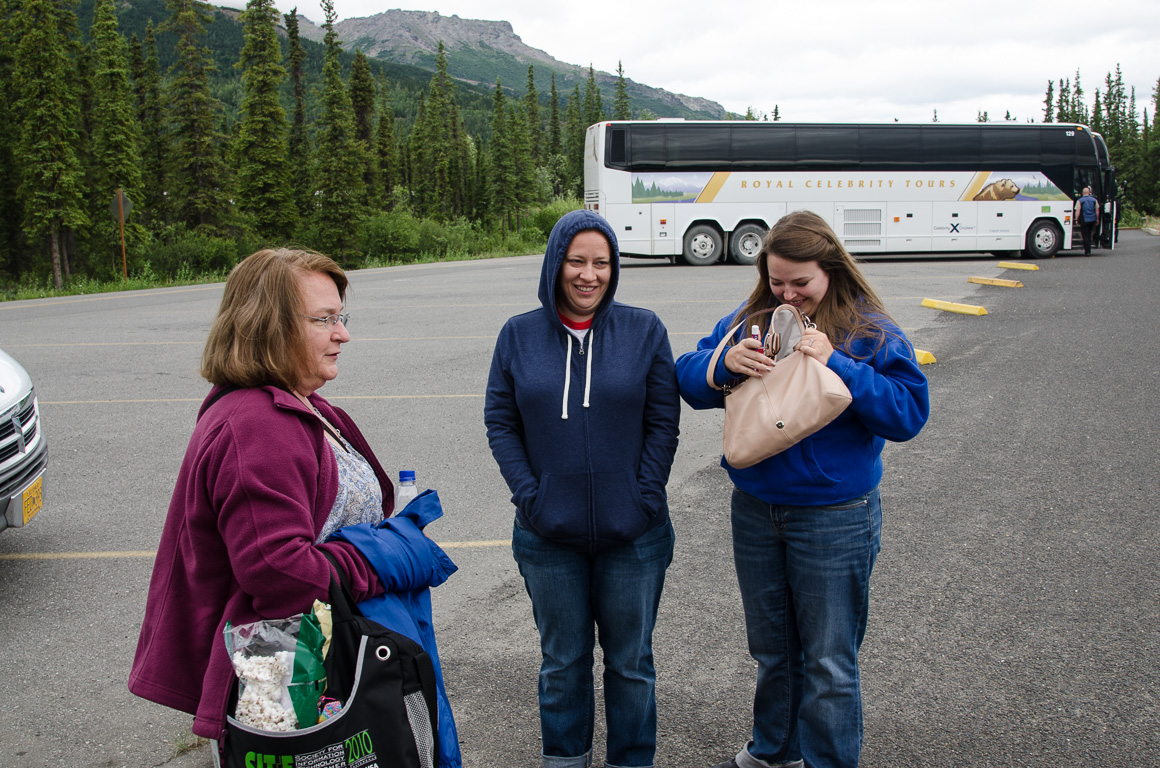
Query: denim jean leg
{"type": "Point", "coordinates": [830, 554]}
{"type": "Point", "coordinates": [626, 589]}
{"type": "Point", "coordinates": [558, 583]}
{"type": "Point", "coordinates": [771, 629]}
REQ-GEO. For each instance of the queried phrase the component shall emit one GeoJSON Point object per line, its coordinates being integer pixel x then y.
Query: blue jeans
{"type": "Point", "coordinates": [804, 574]}
{"type": "Point", "coordinates": [573, 595]}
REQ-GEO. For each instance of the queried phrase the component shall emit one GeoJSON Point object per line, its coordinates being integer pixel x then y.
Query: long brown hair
{"type": "Point", "coordinates": [257, 336]}
{"type": "Point", "coordinates": [850, 308]}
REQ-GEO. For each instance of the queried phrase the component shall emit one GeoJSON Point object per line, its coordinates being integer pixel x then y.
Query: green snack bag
{"type": "Point", "coordinates": [309, 678]}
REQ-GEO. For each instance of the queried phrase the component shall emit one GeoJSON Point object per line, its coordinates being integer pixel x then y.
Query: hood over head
{"type": "Point", "coordinates": [570, 225]}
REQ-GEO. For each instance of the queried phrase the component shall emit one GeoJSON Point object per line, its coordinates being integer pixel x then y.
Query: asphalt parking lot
{"type": "Point", "coordinates": [1015, 617]}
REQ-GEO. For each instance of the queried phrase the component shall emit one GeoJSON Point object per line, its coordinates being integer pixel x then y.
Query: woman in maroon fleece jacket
{"type": "Point", "coordinates": [270, 471]}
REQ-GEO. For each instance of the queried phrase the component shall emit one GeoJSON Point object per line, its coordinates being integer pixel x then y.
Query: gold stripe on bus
{"type": "Point", "coordinates": [709, 193]}
{"type": "Point", "coordinates": [977, 182]}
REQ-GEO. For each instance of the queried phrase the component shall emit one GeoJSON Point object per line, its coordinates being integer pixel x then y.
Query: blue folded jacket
{"type": "Point", "coordinates": [409, 564]}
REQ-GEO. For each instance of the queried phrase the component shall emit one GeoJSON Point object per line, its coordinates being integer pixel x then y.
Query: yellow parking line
{"type": "Point", "coordinates": [151, 553]}
{"type": "Point", "coordinates": [75, 555]}
{"type": "Point", "coordinates": [200, 399]}
{"type": "Point", "coordinates": [105, 344]}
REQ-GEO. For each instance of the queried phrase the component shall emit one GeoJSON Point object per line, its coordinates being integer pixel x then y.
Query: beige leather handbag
{"type": "Point", "coordinates": [764, 415]}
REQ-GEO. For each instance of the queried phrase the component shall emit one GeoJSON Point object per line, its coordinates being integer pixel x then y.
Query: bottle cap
{"type": "Point", "coordinates": [406, 475]}
{"type": "Point", "coordinates": [755, 331]}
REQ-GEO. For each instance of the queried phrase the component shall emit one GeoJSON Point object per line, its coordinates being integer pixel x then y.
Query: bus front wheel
{"type": "Point", "coordinates": [1044, 240]}
{"type": "Point", "coordinates": [745, 244]}
{"type": "Point", "coordinates": [702, 246]}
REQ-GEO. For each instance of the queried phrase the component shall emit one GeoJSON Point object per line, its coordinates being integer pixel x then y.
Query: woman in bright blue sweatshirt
{"type": "Point", "coordinates": [807, 522]}
{"type": "Point", "coordinates": [582, 415]}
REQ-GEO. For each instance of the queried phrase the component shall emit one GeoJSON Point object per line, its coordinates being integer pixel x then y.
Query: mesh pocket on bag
{"type": "Point", "coordinates": [420, 721]}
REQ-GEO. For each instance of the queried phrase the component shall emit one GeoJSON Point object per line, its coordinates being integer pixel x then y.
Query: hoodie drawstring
{"type": "Point", "coordinates": [568, 375]}
{"type": "Point", "coordinates": [588, 372]}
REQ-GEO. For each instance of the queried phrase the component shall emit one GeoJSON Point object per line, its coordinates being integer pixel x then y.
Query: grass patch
{"type": "Point", "coordinates": [185, 741]}
{"type": "Point", "coordinates": [80, 286]}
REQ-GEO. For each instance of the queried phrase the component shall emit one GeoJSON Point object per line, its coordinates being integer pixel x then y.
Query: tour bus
{"type": "Point", "coordinates": [704, 191]}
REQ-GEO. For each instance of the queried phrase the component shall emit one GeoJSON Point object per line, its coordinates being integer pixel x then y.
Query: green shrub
{"type": "Point", "coordinates": [178, 249]}
{"type": "Point", "coordinates": [390, 236]}
{"type": "Point", "coordinates": [545, 218]}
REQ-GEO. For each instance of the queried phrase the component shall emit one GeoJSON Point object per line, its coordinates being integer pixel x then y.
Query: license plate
{"type": "Point", "coordinates": [33, 500]}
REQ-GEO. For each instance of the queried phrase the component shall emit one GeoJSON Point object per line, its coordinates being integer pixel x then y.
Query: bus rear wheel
{"type": "Point", "coordinates": [1044, 240]}
{"type": "Point", "coordinates": [702, 246]}
{"type": "Point", "coordinates": [745, 244]}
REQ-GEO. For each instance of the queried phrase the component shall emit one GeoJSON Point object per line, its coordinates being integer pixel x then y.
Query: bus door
{"type": "Point", "coordinates": [1110, 211]}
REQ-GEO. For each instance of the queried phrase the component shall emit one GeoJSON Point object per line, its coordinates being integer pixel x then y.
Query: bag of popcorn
{"type": "Point", "coordinates": [280, 674]}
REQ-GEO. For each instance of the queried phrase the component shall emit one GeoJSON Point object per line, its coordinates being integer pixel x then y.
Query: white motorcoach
{"type": "Point", "coordinates": [702, 191]}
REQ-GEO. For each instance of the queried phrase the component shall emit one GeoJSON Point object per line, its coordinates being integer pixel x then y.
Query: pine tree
{"type": "Point", "coordinates": [339, 175]}
{"type": "Point", "coordinates": [260, 151]}
{"type": "Point", "coordinates": [199, 177]}
{"type": "Point", "coordinates": [532, 115]}
{"type": "Point", "coordinates": [1063, 102]}
{"type": "Point", "coordinates": [776, 114]}
{"type": "Point", "coordinates": [154, 146]}
{"type": "Point", "coordinates": [502, 182]}
{"type": "Point", "coordinates": [1079, 112]}
{"type": "Point", "coordinates": [386, 153]}
{"type": "Point", "coordinates": [51, 186]}
{"type": "Point", "coordinates": [574, 129]}
{"type": "Point", "coordinates": [523, 162]}
{"type": "Point", "coordinates": [555, 146]}
{"type": "Point", "coordinates": [11, 252]}
{"type": "Point", "coordinates": [1097, 121]}
{"type": "Point", "coordinates": [935, 118]}
{"type": "Point", "coordinates": [298, 149]}
{"type": "Point", "coordinates": [593, 107]}
{"type": "Point", "coordinates": [1049, 102]}
{"type": "Point", "coordinates": [621, 108]}
{"type": "Point", "coordinates": [116, 153]}
{"type": "Point", "coordinates": [1153, 150]}
{"type": "Point", "coordinates": [438, 150]}
{"type": "Point", "coordinates": [362, 100]}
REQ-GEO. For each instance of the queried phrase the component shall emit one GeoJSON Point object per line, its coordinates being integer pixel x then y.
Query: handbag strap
{"type": "Point", "coordinates": [342, 604]}
{"type": "Point", "coordinates": [728, 339]}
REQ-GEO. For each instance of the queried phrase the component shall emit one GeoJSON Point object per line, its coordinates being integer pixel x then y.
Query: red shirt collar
{"type": "Point", "coordinates": [573, 324]}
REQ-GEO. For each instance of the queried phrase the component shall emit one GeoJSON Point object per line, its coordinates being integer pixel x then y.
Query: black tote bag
{"type": "Point", "coordinates": [389, 717]}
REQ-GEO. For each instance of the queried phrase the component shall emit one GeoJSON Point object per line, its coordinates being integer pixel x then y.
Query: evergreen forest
{"type": "Point", "coordinates": [170, 138]}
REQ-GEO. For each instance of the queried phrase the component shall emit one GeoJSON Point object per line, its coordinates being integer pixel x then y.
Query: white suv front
{"type": "Point", "coordinates": [23, 449]}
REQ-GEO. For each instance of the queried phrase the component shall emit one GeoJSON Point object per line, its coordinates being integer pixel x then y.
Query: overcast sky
{"type": "Point", "coordinates": [840, 60]}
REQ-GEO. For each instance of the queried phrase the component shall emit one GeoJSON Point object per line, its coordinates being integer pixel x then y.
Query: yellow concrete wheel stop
{"type": "Point", "coordinates": [995, 281]}
{"type": "Point", "coordinates": [950, 306]}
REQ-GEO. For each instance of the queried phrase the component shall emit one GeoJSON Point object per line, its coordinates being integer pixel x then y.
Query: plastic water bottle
{"type": "Point", "coordinates": [405, 490]}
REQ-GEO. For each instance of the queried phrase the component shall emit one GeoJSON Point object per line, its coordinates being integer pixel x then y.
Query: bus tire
{"type": "Point", "coordinates": [1044, 240]}
{"type": "Point", "coordinates": [745, 243]}
{"type": "Point", "coordinates": [703, 246]}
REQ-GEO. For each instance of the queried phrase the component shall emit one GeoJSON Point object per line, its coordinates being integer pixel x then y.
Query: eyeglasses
{"type": "Point", "coordinates": [332, 320]}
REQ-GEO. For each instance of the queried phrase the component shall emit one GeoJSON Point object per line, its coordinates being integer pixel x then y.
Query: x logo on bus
{"type": "Point", "coordinates": [955, 228]}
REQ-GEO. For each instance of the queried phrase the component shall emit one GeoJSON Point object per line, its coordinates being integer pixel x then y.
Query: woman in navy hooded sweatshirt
{"type": "Point", "coordinates": [582, 415]}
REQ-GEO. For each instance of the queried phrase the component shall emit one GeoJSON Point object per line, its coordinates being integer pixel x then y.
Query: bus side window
{"type": "Point", "coordinates": [616, 146]}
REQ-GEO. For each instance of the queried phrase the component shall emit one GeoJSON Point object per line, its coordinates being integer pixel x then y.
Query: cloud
{"type": "Point", "coordinates": [837, 60]}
